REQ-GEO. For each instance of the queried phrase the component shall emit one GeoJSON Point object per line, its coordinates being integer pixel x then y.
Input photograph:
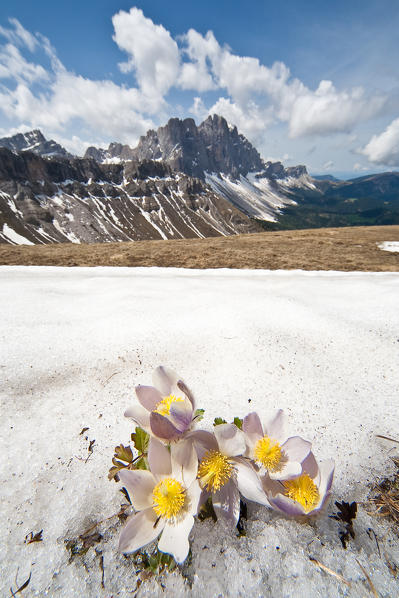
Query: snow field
{"type": "Point", "coordinates": [75, 342]}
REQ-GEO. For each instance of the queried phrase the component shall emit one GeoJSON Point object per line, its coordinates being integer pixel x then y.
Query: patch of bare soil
{"type": "Point", "coordinates": [345, 249]}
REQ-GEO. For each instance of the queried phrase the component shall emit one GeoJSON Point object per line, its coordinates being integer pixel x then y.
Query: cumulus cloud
{"type": "Point", "coordinates": [152, 53]}
{"type": "Point", "coordinates": [252, 96]}
{"type": "Point", "coordinates": [328, 111]}
{"type": "Point", "coordinates": [384, 148]}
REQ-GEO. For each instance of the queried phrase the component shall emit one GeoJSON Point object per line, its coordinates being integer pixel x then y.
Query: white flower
{"type": "Point", "coordinates": [275, 454]}
{"type": "Point", "coordinates": [166, 409]}
{"type": "Point", "coordinates": [306, 494]}
{"type": "Point", "coordinates": [223, 472]}
{"type": "Point", "coordinates": [166, 498]}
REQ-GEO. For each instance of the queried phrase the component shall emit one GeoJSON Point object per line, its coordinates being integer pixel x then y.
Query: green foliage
{"type": "Point", "coordinates": [124, 458]}
{"type": "Point", "coordinates": [218, 421]}
{"type": "Point", "coordinates": [199, 414]}
{"type": "Point", "coordinates": [238, 422]}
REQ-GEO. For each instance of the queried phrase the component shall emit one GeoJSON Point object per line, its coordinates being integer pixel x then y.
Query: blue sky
{"type": "Point", "coordinates": [308, 82]}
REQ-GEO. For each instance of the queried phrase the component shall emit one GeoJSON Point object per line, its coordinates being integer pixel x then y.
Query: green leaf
{"type": "Point", "coordinates": [124, 453]}
{"type": "Point", "coordinates": [218, 421]}
{"type": "Point", "coordinates": [238, 422]}
{"type": "Point", "coordinates": [140, 440]}
{"type": "Point", "coordinates": [199, 414]}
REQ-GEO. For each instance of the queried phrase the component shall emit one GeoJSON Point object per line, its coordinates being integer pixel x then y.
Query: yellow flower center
{"type": "Point", "coordinates": [163, 407]}
{"type": "Point", "coordinates": [304, 491]}
{"type": "Point", "coordinates": [168, 498]}
{"type": "Point", "coordinates": [214, 470]}
{"type": "Point", "coordinates": [267, 452]}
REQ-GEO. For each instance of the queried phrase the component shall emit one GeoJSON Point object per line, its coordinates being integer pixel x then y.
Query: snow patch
{"type": "Point", "coordinates": [14, 237]}
{"type": "Point", "coordinates": [392, 246]}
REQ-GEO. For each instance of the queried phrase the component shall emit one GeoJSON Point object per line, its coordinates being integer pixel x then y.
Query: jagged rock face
{"type": "Point", "coordinates": [34, 141]}
{"type": "Point", "coordinates": [80, 200]}
{"type": "Point", "coordinates": [214, 146]}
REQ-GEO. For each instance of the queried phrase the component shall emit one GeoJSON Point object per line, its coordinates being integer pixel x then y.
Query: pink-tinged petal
{"type": "Point", "coordinates": [291, 469]}
{"type": "Point", "coordinates": [296, 448]}
{"type": "Point", "coordinates": [321, 507]}
{"type": "Point", "coordinates": [252, 425]}
{"type": "Point", "coordinates": [159, 458]}
{"type": "Point", "coordinates": [140, 530]}
{"type": "Point", "coordinates": [275, 427]}
{"type": "Point", "coordinates": [140, 415]}
{"type": "Point", "coordinates": [271, 487]}
{"type": "Point", "coordinates": [226, 502]}
{"type": "Point", "coordinates": [174, 539]}
{"type": "Point", "coordinates": [230, 439]}
{"type": "Point", "coordinates": [184, 462]}
{"type": "Point", "coordinates": [162, 427]}
{"type": "Point", "coordinates": [184, 388]}
{"type": "Point", "coordinates": [148, 396]}
{"type": "Point", "coordinates": [139, 484]}
{"type": "Point", "coordinates": [164, 379]}
{"type": "Point", "coordinates": [309, 466]}
{"type": "Point", "coordinates": [326, 469]}
{"type": "Point", "coordinates": [181, 414]}
{"type": "Point", "coordinates": [287, 506]}
{"type": "Point", "coordinates": [203, 442]}
{"type": "Point", "coordinates": [194, 496]}
{"type": "Point", "coordinates": [249, 483]}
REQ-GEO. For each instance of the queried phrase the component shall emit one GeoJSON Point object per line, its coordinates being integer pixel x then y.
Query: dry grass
{"type": "Point", "coordinates": [344, 249]}
{"type": "Point", "coordinates": [386, 497]}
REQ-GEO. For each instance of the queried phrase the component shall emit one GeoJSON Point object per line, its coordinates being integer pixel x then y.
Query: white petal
{"type": "Point", "coordinates": [296, 448]}
{"type": "Point", "coordinates": [326, 469]}
{"type": "Point", "coordinates": [164, 379]}
{"type": "Point", "coordinates": [139, 531]}
{"type": "Point", "coordinates": [309, 466]}
{"type": "Point", "coordinates": [159, 458]}
{"type": "Point", "coordinates": [249, 483]}
{"type": "Point", "coordinates": [230, 439]}
{"type": "Point", "coordinates": [140, 485]}
{"type": "Point", "coordinates": [194, 494]}
{"type": "Point", "coordinates": [181, 414]}
{"type": "Point", "coordinates": [226, 502]}
{"type": "Point", "coordinates": [184, 462]}
{"type": "Point", "coordinates": [290, 470]}
{"type": "Point", "coordinates": [287, 505]}
{"type": "Point", "coordinates": [203, 441]}
{"type": "Point", "coordinates": [275, 427]}
{"type": "Point", "coordinates": [140, 415]}
{"type": "Point", "coordinates": [174, 539]}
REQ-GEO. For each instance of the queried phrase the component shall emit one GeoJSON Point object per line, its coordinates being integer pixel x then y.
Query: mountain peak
{"type": "Point", "coordinates": [34, 141]}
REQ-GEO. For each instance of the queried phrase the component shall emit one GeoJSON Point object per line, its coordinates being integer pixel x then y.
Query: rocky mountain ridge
{"type": "Point", "coordinates": [34, 141]}
{"type": "Point", "coordinates": [79, 200]}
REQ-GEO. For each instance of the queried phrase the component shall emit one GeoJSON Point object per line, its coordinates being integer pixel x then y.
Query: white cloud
{"type": "Point", "coordinates": [153, 54]}
{"type": "Point", "coordinates": [19, 35]}
{"type": "Point", "coordinates": [328, 111]}
{"type": "Point", "coordinates": [252, 96]}
{"type": "Point", "coordinates": [328, 164]}
{"type": "Point", "coordinates": [384, 148]}
{"type": "Point", "coordinates": [14, 66]}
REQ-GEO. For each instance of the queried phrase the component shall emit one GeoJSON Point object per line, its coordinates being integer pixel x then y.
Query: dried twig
{"type": "Point", "coordinates": [330, 571]}
{"type": "Point", "coordinates": [387, 438]}
{"type": "Point", "coordinates": [109, 378]}
{"type": "Point", "coordinates": [21, 588]}
{"type": "Point", "coordinates": [372, 587]}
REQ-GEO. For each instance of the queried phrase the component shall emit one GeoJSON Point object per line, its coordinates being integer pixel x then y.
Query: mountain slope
{"type": "Point", "coordinates": [79, 200]}
{"type": "Point", "coordinates": [34, 141]}
{"type": "Point", "coordinates": [215, 152]}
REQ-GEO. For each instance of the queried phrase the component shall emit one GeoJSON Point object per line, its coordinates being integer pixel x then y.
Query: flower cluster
{"type": "Point", "coordinates": [182, 467]}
